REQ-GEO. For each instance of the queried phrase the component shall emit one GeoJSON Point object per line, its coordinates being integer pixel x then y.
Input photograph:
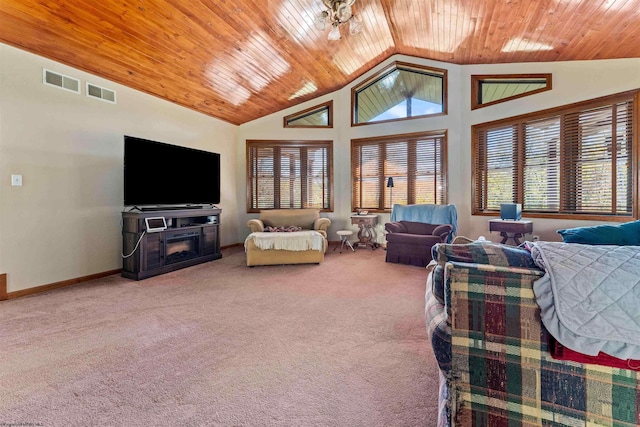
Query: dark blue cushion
{"type": "Point", "coordinates": [621, 235]}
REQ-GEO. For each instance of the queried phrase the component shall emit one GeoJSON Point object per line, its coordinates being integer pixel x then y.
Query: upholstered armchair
{"type": "Point", "coordinates": [410, 242]}
{"type": "Point", "coordinates": [414, 229]}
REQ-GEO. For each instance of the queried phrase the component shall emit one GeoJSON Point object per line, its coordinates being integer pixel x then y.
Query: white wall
{"type": "Point", "coordinates": [572, 82]}
{"type": "Point", "coordinates": [64, 222]}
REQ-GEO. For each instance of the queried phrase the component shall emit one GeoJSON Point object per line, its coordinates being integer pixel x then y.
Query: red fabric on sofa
{"type": "Point", "coordinates": [560, 352]}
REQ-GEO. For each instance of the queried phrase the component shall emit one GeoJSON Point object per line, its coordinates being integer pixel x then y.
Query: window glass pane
{"type": "Point", "coordinates": [624, 171]}
{"type": "Point", "coordinates": [542, 165]}
{"type": "Point", "coordinates": [367, 191]}
{"type": "Point", "coordinates": [263, 169]}
{"type": "Point", "coordinates": [493, 89]}
{"type": "Point", "coordinates": [429, 174]}
{"type": "Point", "coordinates": [315, 119]}
{"type": "Point", "coordinates": [317, 178]}
{"type": "Point", "coordinates": [404, 91]}
{"type": "Point", "coordinates": [590, 135]}
{"type": "Point", "coordinates": [396, 165]}
{"type": "Point", "coordinates": [290, 185]}
{"type": "Point", "coordinates": [501, 166]}
{"type": "Point", "coordinates": [320, 116]}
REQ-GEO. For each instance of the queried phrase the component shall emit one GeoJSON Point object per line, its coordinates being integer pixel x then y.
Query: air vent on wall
{"type": "Point", "coordinates": [60, 80]}
{"type": "Point", "coordinates": [101, 93]}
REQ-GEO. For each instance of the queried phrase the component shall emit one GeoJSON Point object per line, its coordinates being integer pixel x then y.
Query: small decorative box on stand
{"type": "Point", "coordinates": [513, 230]}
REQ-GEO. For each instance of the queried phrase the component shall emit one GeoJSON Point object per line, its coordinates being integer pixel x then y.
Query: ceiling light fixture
{"type": "Point", "coordinates": [338, 12]}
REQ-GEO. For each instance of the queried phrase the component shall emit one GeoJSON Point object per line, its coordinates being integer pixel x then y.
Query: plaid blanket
{"type": "Point", "coordinates": [440, 332]}
{"type": "Point", "coordinates": [501, 372]}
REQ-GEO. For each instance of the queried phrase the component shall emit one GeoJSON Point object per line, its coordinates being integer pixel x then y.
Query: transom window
{"type": "Point", "coordinates": [289, 174]}
{"type": "Point", "coordinates": [416, 162]}
{"type": "Point", "coordinates": [572, 160]}
{"type": "Point", "coordinates": [320, 116]}
{"type": "Point", "coordinates": [400, 91]}
{"type": "Point", "coordinates": [492, 89]}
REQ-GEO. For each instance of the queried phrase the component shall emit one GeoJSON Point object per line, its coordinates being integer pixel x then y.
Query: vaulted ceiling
{"type": "Point", "coordinates": [238, 60]}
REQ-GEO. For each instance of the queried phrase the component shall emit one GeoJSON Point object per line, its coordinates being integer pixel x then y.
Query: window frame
{"type": "Point", "coordinates": [327, 144]}
{"type": "Point", "coordinates": [632, 96]}
{"type": "Point", "coordinates": [382, 179]}
{"type": "Point", "coordinates": [389, 69]}
{"type": "Point", "coordinates": [476, 86]}
{"type": "Point", "coordinates": [309, 111]}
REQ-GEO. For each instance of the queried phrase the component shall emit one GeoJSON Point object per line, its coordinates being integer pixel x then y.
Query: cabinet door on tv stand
{"type": "Point", "coordinates": [153, 256]}
{"type": "Point", "coordinates": [211, 245]}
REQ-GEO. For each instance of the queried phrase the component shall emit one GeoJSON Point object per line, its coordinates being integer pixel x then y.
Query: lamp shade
{"type": "Point", "coordinates": [390, 182]}
{"type": "Point", "coordinates": [334, 34]}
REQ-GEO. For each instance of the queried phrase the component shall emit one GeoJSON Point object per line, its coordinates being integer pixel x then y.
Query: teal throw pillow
{"type": "Point", "coordinates": [620, 235]}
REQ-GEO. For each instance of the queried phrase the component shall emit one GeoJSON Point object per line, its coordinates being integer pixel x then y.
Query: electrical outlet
{"type": "Point", "coordinates": [16, 180]}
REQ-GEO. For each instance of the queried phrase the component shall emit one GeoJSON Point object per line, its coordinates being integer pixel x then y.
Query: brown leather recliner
{"type": "Point", "coordinates": [410, 242]}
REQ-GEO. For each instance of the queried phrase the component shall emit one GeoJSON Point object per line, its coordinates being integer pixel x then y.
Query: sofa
{"type": "Point", "coordinates": [486, 332]}
{"type": "Point", "coordinates": [410, 242]}
{"type": "Point", "coordinates": [306, 245]}
{"type": "Point", "coordinates": [428, 214]}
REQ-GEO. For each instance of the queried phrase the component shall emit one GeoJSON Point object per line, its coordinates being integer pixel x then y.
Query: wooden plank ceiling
{"type": "Point", "coordinates": [243, 59]}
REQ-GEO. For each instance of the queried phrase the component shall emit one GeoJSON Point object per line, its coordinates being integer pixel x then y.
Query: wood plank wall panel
{"type": "Point", "coordinates": [240, 60]}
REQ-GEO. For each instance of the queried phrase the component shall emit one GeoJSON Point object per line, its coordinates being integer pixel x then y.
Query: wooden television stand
{"type": "Point", "coordinates": [191, 237]}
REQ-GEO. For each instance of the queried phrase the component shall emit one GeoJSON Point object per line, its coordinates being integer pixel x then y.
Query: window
{"type": "Point", "coordinates": [572, 160]}
{"type": "Point", "coordinates": [493, 89]}
{"type": "Point", "coordinates": [416, 162]}
{"type": "Point", "coordinates": [320, 116]}
{"type": "Point", "coordinates": [289, 174]}
{"type": "Point", "coordinates": [398, 92]}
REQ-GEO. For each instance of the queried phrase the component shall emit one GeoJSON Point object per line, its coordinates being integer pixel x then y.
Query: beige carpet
{"type": "Point", "coordinates": [342, 343]}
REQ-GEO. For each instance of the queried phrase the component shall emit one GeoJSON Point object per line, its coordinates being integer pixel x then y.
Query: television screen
{"type": "Point", "coordinates": [156, 173]}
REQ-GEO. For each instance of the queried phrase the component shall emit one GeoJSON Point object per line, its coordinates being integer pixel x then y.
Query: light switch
{"type": "Point", "coordinates": [16, 180]}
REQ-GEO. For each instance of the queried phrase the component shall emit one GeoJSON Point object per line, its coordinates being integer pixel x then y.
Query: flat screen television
{"type": "Point", "coordinates": [160, 174]}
